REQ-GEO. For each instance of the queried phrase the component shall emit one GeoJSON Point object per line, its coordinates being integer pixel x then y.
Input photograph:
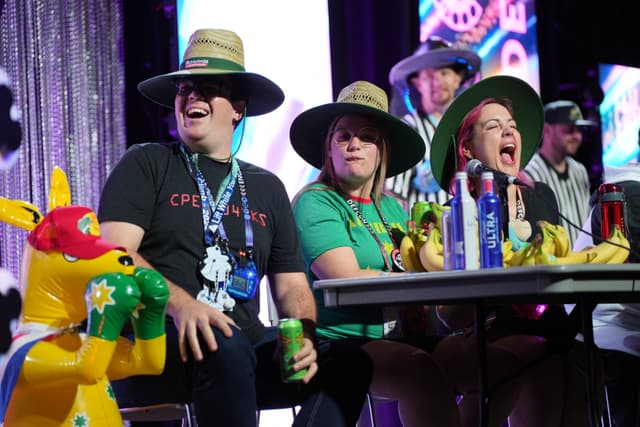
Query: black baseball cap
{"type": "Point", "coordinates": [565, 112]}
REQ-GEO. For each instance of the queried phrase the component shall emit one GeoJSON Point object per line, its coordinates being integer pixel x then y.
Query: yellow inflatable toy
{"type": "Point", "coordinates": [54, 375]}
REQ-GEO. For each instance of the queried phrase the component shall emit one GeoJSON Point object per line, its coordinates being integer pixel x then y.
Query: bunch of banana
{"type": "Point", "coordinates": [507, 252]}
{"type": "Point", "coordinates": [410, 247]}
{"type": "Point", "coordinates": [615, 252]}
{"type": "Point", "coordinates": [555, 239]}
{"type": "Point", "coordinates": [518, 256]}
{"type": "Point", "coordinates": [612, 251]}
{"type": "Point", "coordinates": [548, 245]}
{"type": "Point", "coordinates": [539, 251]}
{"type": "Point", "coordinates": [526, 255]}
{"type": "Point", "coordinates": [432, 252]}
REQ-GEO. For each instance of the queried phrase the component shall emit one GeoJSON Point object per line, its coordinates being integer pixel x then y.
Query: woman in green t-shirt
{"type": "Point", "coordinates": [349, 228]}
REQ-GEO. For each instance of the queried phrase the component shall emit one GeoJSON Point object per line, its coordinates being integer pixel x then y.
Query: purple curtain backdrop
{"type": "Point", "coordinates": [65, 60]}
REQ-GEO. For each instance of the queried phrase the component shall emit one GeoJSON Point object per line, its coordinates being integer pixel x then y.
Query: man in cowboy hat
{"type": "Point", "coordinates": [554, 165]}
{"type": "Point", "coordinates": [214, 225]}
{"type": "Point", "coordinates": [437, 71]}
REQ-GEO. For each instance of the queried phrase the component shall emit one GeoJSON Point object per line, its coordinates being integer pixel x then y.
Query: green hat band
{"type": "Point", "coordinates": [213, 63]}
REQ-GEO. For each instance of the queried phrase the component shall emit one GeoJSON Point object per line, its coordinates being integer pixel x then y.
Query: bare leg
{"type": "Point", "coordinates": [554, 390]}
{"type": "Point", "coordinates": [410, 376]}
{"type": "Point", "coordinates": [458, 358]}
{"type": "Point", "coordinates": [576, 402]}
{"type": "Point", "coordinates": [543, 384]}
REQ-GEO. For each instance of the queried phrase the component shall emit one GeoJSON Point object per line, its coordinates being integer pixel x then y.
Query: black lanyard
{"type": "Point", "coordinates": [364, 222]}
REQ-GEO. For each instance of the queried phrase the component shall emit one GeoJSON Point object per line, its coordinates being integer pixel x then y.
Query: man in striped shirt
{"type": "Point", "coordinates": [554, 165]}
{"type": "Point", "coordinates": [437, 71]}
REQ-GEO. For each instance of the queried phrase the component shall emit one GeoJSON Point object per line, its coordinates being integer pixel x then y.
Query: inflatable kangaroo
{"type": "Point", "coordinates": [54, 375]}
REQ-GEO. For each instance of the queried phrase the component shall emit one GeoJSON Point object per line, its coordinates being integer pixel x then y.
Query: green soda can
{"type": "Point", "coordinates": [420, 213]}
{"type": "Point", "coordinates": [291, 339]}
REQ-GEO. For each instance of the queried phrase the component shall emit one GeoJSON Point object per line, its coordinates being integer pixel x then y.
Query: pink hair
{"type": "Point", "coordinates": [465, 131]}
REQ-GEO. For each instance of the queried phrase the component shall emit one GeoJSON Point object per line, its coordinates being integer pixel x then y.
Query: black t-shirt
{"type": "Point", "coordinates": [539, 204]}
{"type": "Point", "coordinates": [152, 188]}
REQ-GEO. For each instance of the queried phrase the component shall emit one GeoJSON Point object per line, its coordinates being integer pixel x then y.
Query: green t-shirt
{"type": "Point", "coordinates": [325, 221]}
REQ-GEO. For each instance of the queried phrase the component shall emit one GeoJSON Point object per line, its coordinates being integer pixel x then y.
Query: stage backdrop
{"type": "Point", "coordinates": [290, 47]}
{"type": "Point", "coordinates": [502, 32]}
{"type": "Point", "coordinates": [620, 114]}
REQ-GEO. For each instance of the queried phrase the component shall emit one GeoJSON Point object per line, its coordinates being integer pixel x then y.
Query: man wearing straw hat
{"type": "Point", "coordinates": [214, 225]}
{"type": "Point", "coordinates": [437, 71]}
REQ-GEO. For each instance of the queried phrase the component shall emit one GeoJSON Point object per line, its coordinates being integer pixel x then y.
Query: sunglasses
{"type": "Point", "coordinates": [366, 135]}
{"type": "Point", "coordinates": [209, 88]}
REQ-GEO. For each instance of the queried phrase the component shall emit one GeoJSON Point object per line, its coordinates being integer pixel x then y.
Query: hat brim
{"type": "Point", "coordinates": [527, 111]}
{"type": "Point", "coordinates": [309, 131]}
{"type": "Point", "coordinates": [91, 250]}
{"type": "Point", "coordinates": [435, 59]}
{"type": "Point", "coordinates": [584, 123]}
{"type": "Point", "coordinates": [262, 95]}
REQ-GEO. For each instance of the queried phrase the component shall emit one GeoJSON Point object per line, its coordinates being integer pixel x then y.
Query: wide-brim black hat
{"type": "Point", "coordinates": [527, 112]}
{"type": "Point", "coordinates": [309, 129]}
{"type": "Point", "coordinates": [214, 52]}
{"type": "Point", "coordinates": [435, 52]}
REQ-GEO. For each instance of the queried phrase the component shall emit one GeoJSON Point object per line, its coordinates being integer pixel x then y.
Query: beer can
{"type": "Point", "coordinates": [490, 224]}
{"type": "Point", "coordinates": [291, 339]}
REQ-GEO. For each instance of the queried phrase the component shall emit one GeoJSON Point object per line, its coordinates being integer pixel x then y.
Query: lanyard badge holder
{"type": "Point", "coordinates": [244, 280]}
{"type": "Point", "coordinates": [225, 278]}
{"type": "Point", "coordinates": [216, 269]}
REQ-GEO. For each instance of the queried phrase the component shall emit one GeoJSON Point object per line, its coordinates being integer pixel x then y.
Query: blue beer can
{"type": "Point", "coordinates": [489, 224]}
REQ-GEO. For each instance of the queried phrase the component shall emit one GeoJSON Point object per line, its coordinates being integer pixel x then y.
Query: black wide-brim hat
{"type": "Point", "coordinates": [309, 129]}
{"type": "Point", "coordinates": [527, 112]}
{"type": "Point", "coordinates": [214, 52]}
{"type": "Point", "coordinates": [435, 52]}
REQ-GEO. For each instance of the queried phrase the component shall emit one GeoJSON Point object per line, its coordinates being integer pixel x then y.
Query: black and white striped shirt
{"type": "Point", "coordinates": [401, 185]}
{"type": "Point", "coordinates": [571, 189]}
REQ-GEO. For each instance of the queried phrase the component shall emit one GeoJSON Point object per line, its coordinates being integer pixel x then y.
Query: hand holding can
{"type": "Point", "coordinates": [291, 338]}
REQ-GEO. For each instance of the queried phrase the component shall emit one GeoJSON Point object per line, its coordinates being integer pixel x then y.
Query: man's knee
{"type": "Point", "coordinates": [234, 353]}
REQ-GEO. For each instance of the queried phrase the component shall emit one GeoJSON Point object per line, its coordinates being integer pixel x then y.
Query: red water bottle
{"type": "Point", "coordinates": [612, 208]}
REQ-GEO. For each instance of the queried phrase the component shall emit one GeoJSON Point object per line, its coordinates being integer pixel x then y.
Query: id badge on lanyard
{"type": "Point", "coordinates": [216, 268]}
{"type": "Point", "coordinates": [225, 278]}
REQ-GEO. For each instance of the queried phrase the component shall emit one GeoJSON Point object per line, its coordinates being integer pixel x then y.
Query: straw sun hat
{"type": "Point", "coordinates": [214, 52]}
{"type": "Point", "coordinates": [527, 111]}
{"type": "Point", "coordinates": [309, 130]}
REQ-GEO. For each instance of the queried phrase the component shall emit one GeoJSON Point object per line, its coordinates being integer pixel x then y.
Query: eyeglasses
{"type": "Point", "coordinates": [368, 136]}
{"type": "Point", "coordinates": [206, 88]}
